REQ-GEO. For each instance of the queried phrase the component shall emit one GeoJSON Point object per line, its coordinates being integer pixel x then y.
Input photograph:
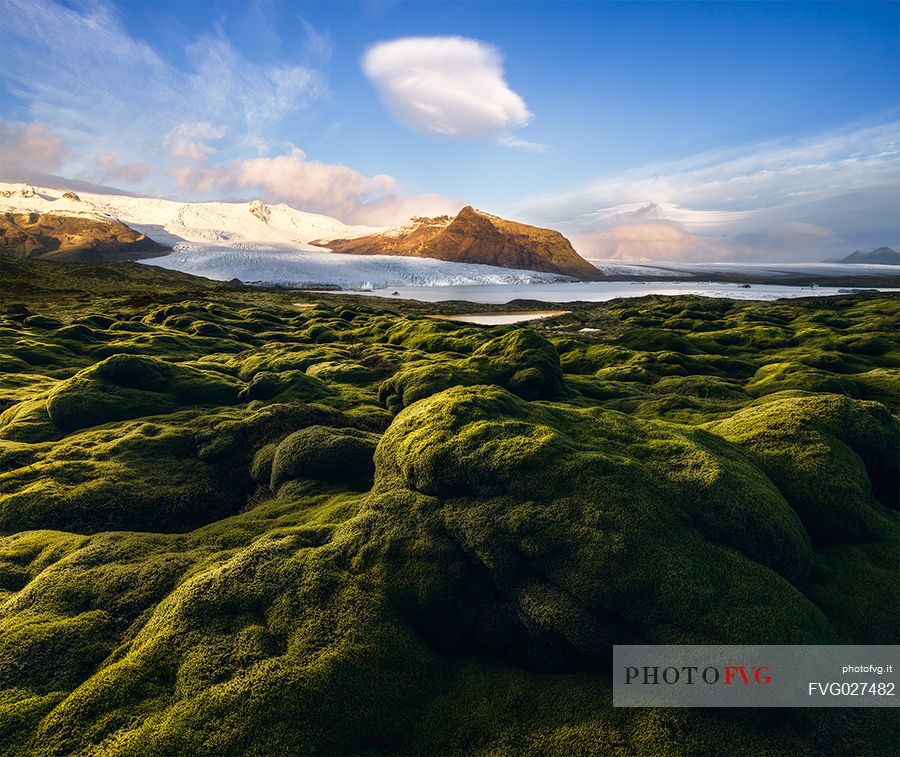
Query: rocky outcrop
{"type": "Point", "coordinates": [474, 236]}
{"type": "Point", "coordinates": [262, 211]}
{"type": "Point", "coordinates": [19, 191]}
{"type": "Point", "coordinates": [70, 238]}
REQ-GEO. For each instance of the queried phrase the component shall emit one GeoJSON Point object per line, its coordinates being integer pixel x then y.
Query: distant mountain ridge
{"type": "Point", "coordinates": [473, 236]}
{"type": "Point", "coordinates": [881, 256]}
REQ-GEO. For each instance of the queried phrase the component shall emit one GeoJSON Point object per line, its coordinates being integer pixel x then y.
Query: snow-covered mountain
{"type": "Point", "coordinates": [256, 242]}
{"type": "Point", "coordinates": [220, 224]}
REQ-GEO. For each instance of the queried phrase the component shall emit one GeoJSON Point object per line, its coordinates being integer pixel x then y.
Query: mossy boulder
{"type": "Point", "coordinates": [325, 454]}
{"type": "Point", "coordinates": [777, 377]}
{"type": "Point", "coordinates": [654, 340]}
{"type": "Point", "coordinates": [28, 421]}
{"type": "Point", "coordinates": [279, 359]}
{"type": "Point", "coordinates": [881, 385]}
{"type": "Point", "coordinates": [430, 335]}
{"type": "Point", "coordinates": [284, 386]}
{"type": "Point", "coordinates": [205, 328]}
{"type": "Point", "coordinates": [138, 475]}
{"type": "Point", "coordinates": [521, 360]}
{"type": "Point", "coordinates": [274, 421]}
{"type": "Point", "coordinates": [420, 380]}
{"type": "Point", "coordinates": [261, 467]}
{"type": "Point", "coordinates": [700, 386]}
{"type": "Point", "coordinates": [556, 506]}
{"type": "Point", "coordinates": [130, 386]}
{"type": "Point", "coordinates": [525, 363]}
{"type": "Point", "coordinates": [334, 370]}
{"type": "Point", "coordinates": [42, 322]}
{"type": "Point", "coordinates": [830, 456]}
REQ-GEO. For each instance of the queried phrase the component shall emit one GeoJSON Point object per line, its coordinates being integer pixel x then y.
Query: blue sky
{"type": "Point", "coordinates": [642, 130]}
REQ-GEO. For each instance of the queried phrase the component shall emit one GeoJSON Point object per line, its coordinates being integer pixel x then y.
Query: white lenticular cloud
{"type": "Point", "coordinates": [446, 86]}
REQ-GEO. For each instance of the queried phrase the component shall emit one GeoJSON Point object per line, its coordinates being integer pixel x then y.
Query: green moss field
{"type": "Point", "coordinates": [245, 521]}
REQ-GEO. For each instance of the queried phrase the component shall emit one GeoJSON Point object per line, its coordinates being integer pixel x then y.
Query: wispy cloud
{"type": "Point", "coordinates": [507, 140]}
{"type": "Point", "coordinates": [103, 90]}
{"type": "Point", "coordinates": [775, 200]}
{"type": "Point", "coordinates": [318, 44]}
{"type": "Point", "coordinates": [449, 87]}
{"type": "Point", "coordinates": [128, 115]}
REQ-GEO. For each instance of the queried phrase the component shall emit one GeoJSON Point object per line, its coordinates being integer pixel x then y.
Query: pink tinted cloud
{"type": "Point", "coordinates": [131, 173]}
{"type": "Point", "coordinates": [29, 147]}
{"type": "Point", "coordinates": [205, 180]}
{"type": "Point", "coordinates": [188, 140]}
{"type": "Point", "coordinates": [662, 239]}
{"type": "Point", "coordinates": [316, 187]}
{"type": "Point", "coordinates": [659, 239]}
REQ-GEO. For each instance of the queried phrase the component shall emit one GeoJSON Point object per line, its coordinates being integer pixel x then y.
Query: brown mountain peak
{"type": "Point", "coordinates": [474, 236]}
{"type": "Point", "coordinates": [72, 238]}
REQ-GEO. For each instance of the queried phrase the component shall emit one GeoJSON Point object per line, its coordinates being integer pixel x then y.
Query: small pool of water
{"type": "Point", "coordinates": [500, 319]}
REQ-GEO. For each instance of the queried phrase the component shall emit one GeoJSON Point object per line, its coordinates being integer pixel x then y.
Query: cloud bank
{"type": "Point", "coordinates": [317, 187]}
{"type": "Point", "coordinates": [805, 199]}
{"type": "Point", "coordinates": [447, 87]}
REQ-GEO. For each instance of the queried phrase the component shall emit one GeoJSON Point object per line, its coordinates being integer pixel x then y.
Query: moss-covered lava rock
{"type": "Point", "coordinates": [323, 453]}
{"type": "Point", "coordinates": [130, 386]}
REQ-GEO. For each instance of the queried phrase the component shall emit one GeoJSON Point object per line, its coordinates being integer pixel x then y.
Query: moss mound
{"type": "Point", "coordinates": [556, 505]}
{"type": "Point", "coordinates": [139, 475]}
{"type": "Point", "coordinates": [779, 377]}
{"type": "Point", "coordinates": [284, 386]}
{"type": "Point", "coordinates": [335, 370]}
{"type": "Point", "coordinates": [525, 363]}
{"type": "Point", "coordinates": [521, 360]}
{"type": "Point", "coordinates": [832, 458]}
{"type": "Point", "coordinates": [130, 386]}
{"type": "Point", "coordinates": [328, 454]}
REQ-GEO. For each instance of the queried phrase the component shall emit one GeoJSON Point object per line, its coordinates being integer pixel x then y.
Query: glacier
{"type": "Point", "coordinates": [310, 269]}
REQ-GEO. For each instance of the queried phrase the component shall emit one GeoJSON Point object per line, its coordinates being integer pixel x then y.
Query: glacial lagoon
{"type": "Point", "coordinates": [601, 291]}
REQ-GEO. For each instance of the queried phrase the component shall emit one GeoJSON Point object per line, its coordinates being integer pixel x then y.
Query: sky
{"type": "Point", "coordinates": [643, 131]}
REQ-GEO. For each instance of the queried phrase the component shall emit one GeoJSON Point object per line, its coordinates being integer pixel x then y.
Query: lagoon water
{"type": "Point", "coordinates": [498, 294]}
